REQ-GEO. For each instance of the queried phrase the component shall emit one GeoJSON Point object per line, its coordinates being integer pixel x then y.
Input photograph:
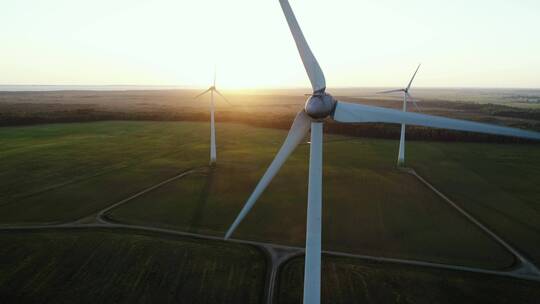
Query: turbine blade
{"type": "Point", "coordinates": [224, 98]}
{"type": "Point", "coordinates": [215, 75]}
{"type": "Point", "coordinates": [355, 113]}
{"type": "Point", "coordinates": [315, 74]}
{"type": "Point", "coordinates": [413, 100]}
{"type": "Point", "coordinates": [416, 106]}
{"type": "Point", "coordinates": [414, 75]}
{"type": "Point", "coordinates": [298, 131]}
{"type": "Point", "coordinates": [202, 93]}
{"type": "Point", "coordinates": [391, 91]}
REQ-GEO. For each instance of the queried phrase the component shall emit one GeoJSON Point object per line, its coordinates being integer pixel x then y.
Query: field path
{"type": "Point", "coordinates": [279, 254]}
{"type": "Point", "coordinates": [525, 266]}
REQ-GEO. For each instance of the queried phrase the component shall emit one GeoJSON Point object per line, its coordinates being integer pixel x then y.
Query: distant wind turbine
{"type": "Point", "coordinates": [406, 98]}
{"type": "Point", "coordinates": [319, 107]}
{"type": "Point", "coordinates": [213, 89]}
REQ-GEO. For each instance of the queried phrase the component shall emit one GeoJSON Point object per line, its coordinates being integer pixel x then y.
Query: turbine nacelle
{"type": "Point", "coordinates": [320, 105]}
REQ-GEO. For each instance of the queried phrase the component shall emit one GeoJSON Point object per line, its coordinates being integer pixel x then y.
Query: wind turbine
{"type": "Point", "coordinates": [319, 107]}
{"type": "Point", "coordinates": [406, 96]}
{"type": "Point", "coordinates": [213, 90]}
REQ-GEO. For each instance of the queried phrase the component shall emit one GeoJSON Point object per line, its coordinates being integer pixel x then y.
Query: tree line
{"type": "Point", "coordinates": [276, 121]}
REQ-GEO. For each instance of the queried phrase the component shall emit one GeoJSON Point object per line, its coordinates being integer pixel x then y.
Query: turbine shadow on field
{"type": "Point", "coordinates": [198, 213]}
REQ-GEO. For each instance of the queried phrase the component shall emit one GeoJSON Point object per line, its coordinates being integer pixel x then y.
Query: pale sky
{"type": "Point", "coordinates": [461, 43]}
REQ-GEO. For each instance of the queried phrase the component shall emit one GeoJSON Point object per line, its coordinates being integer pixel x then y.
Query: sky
{"type": "Point", "coordinates": [367, 43]}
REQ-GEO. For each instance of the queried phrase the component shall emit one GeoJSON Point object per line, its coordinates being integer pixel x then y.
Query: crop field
{"type": "Point", "coordinates": [370, 207]}
{"type": "Point", "coordinates": [100, 266]}
{"type": "Point", "coordinates": [352, 281]}
{"type": "Point", "coordinates": [60, 173]}
{"type": "Point", "coordinates": [497, 184]}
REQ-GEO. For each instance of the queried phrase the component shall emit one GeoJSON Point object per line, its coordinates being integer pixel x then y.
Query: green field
{"type": "Point", "coordinates": [82, 266]}
{"type": "Point", "coordinates": [352, 281]}
{"type": "Point", "coordinates": [74, 170]}
{"type": "Point", "coordinates": [497, 184]}
{"type": "Point", "coordinates": [61, 173]}
{"type": "Point", "coordinates": [370, 207]}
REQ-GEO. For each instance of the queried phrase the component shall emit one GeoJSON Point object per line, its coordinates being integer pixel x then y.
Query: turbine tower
{"type": "Point", "coordinates": [319, 107]}
{"type": "Point", "coordinates": [406, 98]}
{"type": "Point", "coordinates": [213, 90]}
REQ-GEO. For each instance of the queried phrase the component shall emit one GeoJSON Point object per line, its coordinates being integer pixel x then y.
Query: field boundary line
{"type": "Point", "coordinates": [83, 178]}
{"type": "Point", "coordinates": [101, 215]}
{"type": "Point", "coordinates": [300, 250]}
{"type": "Point", "coordinates": [280, 254]}
{"type": "Point", "coordinates": [524, 267]}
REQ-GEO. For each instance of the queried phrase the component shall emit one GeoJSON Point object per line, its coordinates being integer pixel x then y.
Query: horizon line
{"type": "Point", "coordinates": [142, 87]}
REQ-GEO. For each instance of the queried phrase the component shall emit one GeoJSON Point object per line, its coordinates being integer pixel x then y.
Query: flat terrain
{"type": "Point", "coordinates": [352, 281]}
{"type": "Point", "coordinates": [85, 266]}
{"type": "Point", "coordinates": [269, 108]}
{"type": "Point", "coordinates": [60, 173]}
{"type": "Point", "coordinates": [497, 184]}
{"type": "Point", "coordinates": [370, 207]}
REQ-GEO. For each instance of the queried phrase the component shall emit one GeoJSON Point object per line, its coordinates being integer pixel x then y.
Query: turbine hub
{"type": "Point", "coordinates": [320, 105]}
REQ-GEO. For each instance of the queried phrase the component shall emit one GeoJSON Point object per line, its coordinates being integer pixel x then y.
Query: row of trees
{"type": "Point", "coordinates": [278, 121]}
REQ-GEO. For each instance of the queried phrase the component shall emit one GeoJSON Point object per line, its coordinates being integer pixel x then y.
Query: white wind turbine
{"type": "Point", "coordinates": [320, 106]}
{"type": "Point", "coordinates": [213, 90]}
{"type": "Point", "coordinates": [406, 98]}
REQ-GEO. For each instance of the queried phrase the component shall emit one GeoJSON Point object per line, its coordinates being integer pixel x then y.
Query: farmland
{"type": "Point", "coordinates": [353, 281]}
{"type": "Point", "coordinates": [111, 267]}
{"type": "Point", "coordinates": [60, 173]}
{"type": "Point", "coordinates": [498, 184]}
{"type": "Point", "coordinates": [394, 215]}
{"type": "Point", "coordinates": [57, 173]}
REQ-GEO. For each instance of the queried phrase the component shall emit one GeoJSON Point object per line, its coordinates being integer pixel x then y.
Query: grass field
{"type": "Point", "coordinates": [58, 173]}
{"type": "Point", "coordinates": [370, 207]}
{"type": "Point", "coordinates": [84, 266]}
{"type": "Point", "coordinates": [498, 184]}
{"type": "Point", "coordinates": [352, 281]}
